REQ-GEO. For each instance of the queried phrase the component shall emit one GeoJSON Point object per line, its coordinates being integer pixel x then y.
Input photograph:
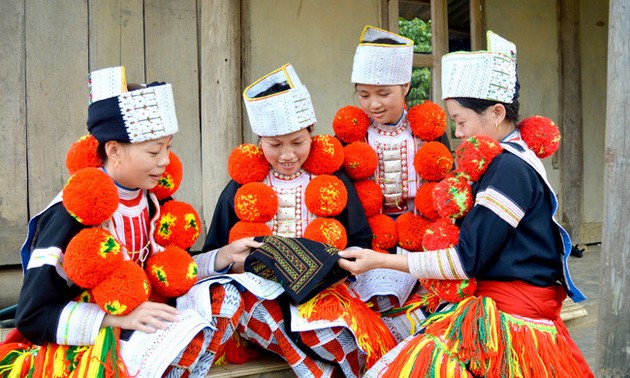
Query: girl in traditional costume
{"type": "Point", "coordinates": [98, 264]}
{"type": "Point", "coordinates": [508, 239]}
{"type": "Point", "coordinates": [289, 188]}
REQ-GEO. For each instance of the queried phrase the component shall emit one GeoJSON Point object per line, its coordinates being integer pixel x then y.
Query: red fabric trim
{"type": "Point", "coordinates": [523, 299]}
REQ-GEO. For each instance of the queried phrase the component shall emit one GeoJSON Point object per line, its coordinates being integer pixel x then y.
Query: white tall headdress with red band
{"type": "Point", "coordinates": [116, 113]}
{"type": "Point", "coordinates": [382, 63]}
{"type": "Point", "coordinates": [275, 113]}
{"type": "Point", "coordinates": [486, 75]}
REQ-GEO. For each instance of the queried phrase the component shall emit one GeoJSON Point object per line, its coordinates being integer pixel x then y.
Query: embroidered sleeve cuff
{"type": "Point", "coordinates": [205, 264]}
{"type": "Point", "coordinates": [443, 264]}
{"type": "Point", "coordinates": [79, 324]}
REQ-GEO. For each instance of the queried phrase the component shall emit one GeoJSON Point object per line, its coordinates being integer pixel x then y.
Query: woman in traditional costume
{"type": "Point", "coordinates": [509, 240]}
{"type": "Point", "coordinates": [98, 266]}
{"type": "Point", "coordinates": [289, 190]}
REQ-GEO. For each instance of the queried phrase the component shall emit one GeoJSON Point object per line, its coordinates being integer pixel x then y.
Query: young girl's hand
{"type": "Point", "coordinates": [235, 253]}
{"type": "Point", "coordinates": [147, 317]}
{"type": "Point", "coordinates": [358, 261]}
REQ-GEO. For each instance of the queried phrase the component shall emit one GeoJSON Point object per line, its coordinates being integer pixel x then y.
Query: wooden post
{"type": "Point", "coordinates": [220, 87]}
{"type": "Point", "coordinates": [613, 330]}
{"type": "Point", "coordinates": [571, 148]}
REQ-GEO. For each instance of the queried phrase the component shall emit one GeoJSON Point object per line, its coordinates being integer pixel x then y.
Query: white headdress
{"type": "Point", "coordinates": [115, 113]}
{"type": "Point", "coordinates": [486, 75]}
{"type": "Point", "coordinates": [382, 63]}
{"type": "Point", "coordinates": [278, 103]}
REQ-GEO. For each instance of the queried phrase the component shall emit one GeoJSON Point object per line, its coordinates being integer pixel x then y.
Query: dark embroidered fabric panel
{"type": "Point", "coordinates": [302, 266]}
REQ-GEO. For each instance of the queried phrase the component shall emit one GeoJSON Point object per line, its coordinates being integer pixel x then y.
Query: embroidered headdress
{"type": "Point", "coordinates": [278, 103]}
{"type": "Point", "coordinates": [381, 62]}
{"type": "Point", "coordinates": [120, 112]}
{"type": "Point", "coordinates": [486, 75]}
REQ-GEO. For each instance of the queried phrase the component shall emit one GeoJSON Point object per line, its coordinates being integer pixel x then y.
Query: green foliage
{"type": "Point", "coordinates": [420, 32]}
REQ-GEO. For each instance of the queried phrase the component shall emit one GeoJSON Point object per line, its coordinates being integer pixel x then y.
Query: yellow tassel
{"type": "Point", "coordinates": [24, 357]}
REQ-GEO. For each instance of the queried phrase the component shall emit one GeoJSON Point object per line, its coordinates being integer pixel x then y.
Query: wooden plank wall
{"type": "Point", "coordinates": [46, 53]}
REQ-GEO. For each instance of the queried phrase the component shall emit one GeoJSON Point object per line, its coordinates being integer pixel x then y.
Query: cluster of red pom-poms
{"type": "Point", "coordinates": [179, 224]}
{"type": "Point", "coordinates": [452, 291]}
{"type": "Point", "coordinates": [82, 154]}
{"type": "Point", "coordinates": [433, 161]}
{"type": "Point", "coordinates": [411, 229]}
{"type": "Point", "coordinates": [326, 155]}
{"type": "Point", "coordinates": [453, 197]}
{"type": "Point", "coordinates": [327, 230]}
{"type": "Point", "coordinates": [427, 120]}
{"type": "Point", "coordinates": [247, 163]}
{"type": "Point", "coordinates": [90, 196]}
{"type": "Point", "coordinates": [171, 178]}
{"type": "Point", "coordinates": [326, 196]}
{"type": "Point", "coordinates": [255, 202]}
{"type": "Point", "coordinates": [350, 124]}
{"type": "Point", "coordinates": [359, 161]}
{"type": "Point", "coordinates": [473, 156]}
{"type": "Point", "coordinates": [541, 135]}
{"type": "Point", "coordinates": [171, 272]}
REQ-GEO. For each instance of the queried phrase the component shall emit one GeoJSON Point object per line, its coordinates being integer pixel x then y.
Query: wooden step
{"type": "Point", "coordinates": [263, 367]}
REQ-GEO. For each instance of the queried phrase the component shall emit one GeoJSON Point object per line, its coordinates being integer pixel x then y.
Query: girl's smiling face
{"type": "Point", "coordinates": [287, 153]}
{"type": "Point", "coordinates": [382, 103]}
{"type": "Point", "coordinates": [138, 165]}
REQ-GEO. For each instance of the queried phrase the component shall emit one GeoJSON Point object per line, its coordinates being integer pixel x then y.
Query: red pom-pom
{"type": "Point", "coordinates": [124, 290]}
{"type": "Point", "coordinates": [384, 233]}
{"type": "Point", "coordinates": [255, 202]}
{"type": "Point", "coordinates": [179, 224]}
{"type": "Point", "coordinates": [359, 160]}
{"type": "Point", "coordinates": [351, 124]}
{"type": "Point", "coordinates": [91, 256]}
{"type": "Point", "coordinates": [247, 230]}
{"type": "Point", "coordinates": [171, 272]}
{"type": "Point", "coordinates": [326, 155]}
{"type": "Point", "coordinates": [452, 291]}
{"type": "Point", "coordinates": [327, 230]}
{"type": "Point", "coordinates": [82, 154]}
{"type": "Point", "coordinates": [90, 196]}
{"type": "Point", "coordinates": [171, 178]}
{"type": "Point", "coordinates": [424, 201]}
{"type": "Point", "coordinates": [247, 163]}
{"type": "Point", "coordinates": [326, 196]}
{"type": "Point", "coordinates": [427, 120]}
{"type": "Point", "coordinates": [433, 161]}
{"type": "Point", "coordinates": [370, 196]}
{"type": "Point", "coordinates": [410, 229]}
{"type": "Point", "coordinates": [541, 135]}
{"type": "Point", "coordinates": [440, 234]}
{"type": "Point", "coordinates": [474, 155]}
{"type": "Point", "coordinates": [453, 197]}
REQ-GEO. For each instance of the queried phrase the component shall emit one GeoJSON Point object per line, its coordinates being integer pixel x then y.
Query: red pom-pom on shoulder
{"type": "Point", "coordinates": [433, 161]}
{"type": "Point", "coordinates": [124, 290]}
{"type": "Point", "coordinates": [541, 135]}
{"type": "Point", "coordinates": [427, 120]}
{"type": "Point", "coordinates": [475, 154]}
{"type": "Point", "coordinates": [327, 230]}
{"type": "Point", "coordinates": [171, 178]}
{"type": "Point", "coordinates": [255, 202]}
{"type": "Point", "coordinates": [359, 161]}
{"type": "Point", "coordinates": [82, 154]}
{"type": "Point", "coordinates": [247, 163]}
{"type": "Point", "coordinates": [350, 124]}
{"type": "Point", "coordinates": [91, 256]}
{"type": "Point", "coordinates": [326, 196]}
{"type": "Point", "coordinates": [244, 229]}
{"type": "Point", "coordinates": [179, 224]}
{"type": "Point", "coordinates": [326, 155]}
{"type": "Point", "coordinates": [171, 272]}
{"type": "Point", "coordinates": [90, 196]}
